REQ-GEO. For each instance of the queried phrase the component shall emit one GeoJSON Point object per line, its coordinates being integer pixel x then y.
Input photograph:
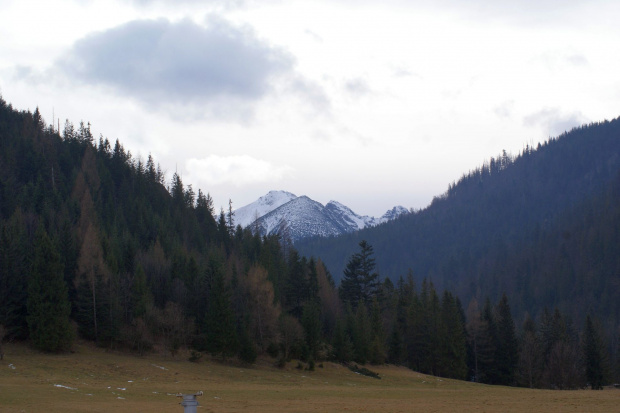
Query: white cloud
{"type": "Point", "coordinates": [238, 170]}
{"type": "Point", "coordinates": [553, 121]}
{"type": "Point", "coordinates": [357, 87]}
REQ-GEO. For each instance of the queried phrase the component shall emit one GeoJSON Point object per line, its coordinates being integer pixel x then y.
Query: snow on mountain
{"type": "Point", "coordinates": [244, 216]}
{"type": "Point", "coordinates": [300, 218]}
{"type": "Point", "coordinates": [394, 213]}
{"type": "Point", "coordinates": [284, 213]}
{"type": "Point", "coordinates": [347, 216]}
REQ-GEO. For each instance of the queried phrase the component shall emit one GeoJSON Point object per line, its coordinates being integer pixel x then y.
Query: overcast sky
{"type": "Point", "coordinates": [373, 104]}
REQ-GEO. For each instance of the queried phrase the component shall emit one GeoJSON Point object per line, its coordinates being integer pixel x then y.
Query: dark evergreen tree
{"type": "Point", "coordinates": [377, 336]}
{"type": "Point", "coordinates": [342, 343]}
{"type": "Point", "coordinates": [507, 351]}
{"type": "Point", "coordinates": [15, 256]}
{"type": "Point", "coordinates": [487, 349]}
{"type": "Point", "coordinates": [311, 323]}
{"type": "Point", "coordinates": [453, 350]}
{"type": "Point", "coordinates": [360, 283]}
{"type": "Point", "coordinates": [48, 301]}
{"type": "Point", "coordinates": [529, 366]}
{"type": "Point", "coordinates": [595, 355]}
{"type": "Point", "coordinates": [230, 218]}
{"type": "Point", "coordinates": [220, 327]}
{"type": "Point", "coordinates": [141, 298]}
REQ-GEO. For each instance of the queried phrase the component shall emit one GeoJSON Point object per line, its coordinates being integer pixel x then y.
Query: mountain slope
{"type": "Point", "coordinates": [285, 214]}
{"type": "Point", "coordinates": [247, 214]}
{"type": "Point", "coordinates": [481, 219]}
{"type": "Point", "coordinates": [300, 218]}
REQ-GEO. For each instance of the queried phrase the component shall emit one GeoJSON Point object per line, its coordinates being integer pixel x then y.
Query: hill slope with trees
{"type": "Point", "coordinates": [95, 243]}
{"type": "Point", "coordinates": [541, 226]}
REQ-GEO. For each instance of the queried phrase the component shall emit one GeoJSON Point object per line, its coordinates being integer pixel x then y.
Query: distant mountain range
{"type": "Point", "coordinates": [299, 217]}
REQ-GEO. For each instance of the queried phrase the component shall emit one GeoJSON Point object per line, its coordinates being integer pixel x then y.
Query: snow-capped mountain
{"type": "Point", "coordinates": [393, 213]}
{"type": "Point", "coordinates": [283, 213]}
{"type": "Point", "coordinates": [262, 206]}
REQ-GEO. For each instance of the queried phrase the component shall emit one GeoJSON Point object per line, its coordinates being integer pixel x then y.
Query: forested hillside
{"type": "Point", "coordinates": [95, 243]}
{"type": "Point", "coordinates": [542, 226]}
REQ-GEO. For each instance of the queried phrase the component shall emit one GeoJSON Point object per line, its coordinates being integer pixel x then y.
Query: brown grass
{"type": "Point", "coordinates": [100, 381]}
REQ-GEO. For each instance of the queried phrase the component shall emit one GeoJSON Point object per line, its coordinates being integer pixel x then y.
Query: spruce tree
{"type": "Point", "coordinates": [377, 339]}
{"type": "Point", "coordinates": [507, 351]}
{"type": "Point", "coordinates": [530, 356]}
{"type": "Point", "coordinates": [487, 349]}
{"type": "Point", "coordinates": [453, 356]}
{"type": "Point", "coordinates": [350, 290]}
{"type": "Point", "coordinates": [595, 356]}
{"type": "Point", "coordinates": [48, 300]}
{"type": "Point", "coordinates": [360, 283]}
{"type": "Point", "coordinates": [221, 337]}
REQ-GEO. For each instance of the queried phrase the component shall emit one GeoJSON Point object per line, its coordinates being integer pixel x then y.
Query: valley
{"type": "Point", "coordinates": [95, 380]}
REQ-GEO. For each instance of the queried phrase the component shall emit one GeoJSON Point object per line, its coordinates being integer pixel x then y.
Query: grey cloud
{"type": "Point", "coordinates": [311, 93]}
{"type": "Point", "coordinates": [313, 36]}
{"type": "Point", "coordinates": [227, 4]}
{"type": "Point", "coordinates": [504, 109]}
{"type": "Point", "coordinates": [357, 87]}
{"type": "Point", "coordinates": [520, 12]}
{"type": "Point", "coordinates": [162, 63]}
{"type": "Point", "coordinates": [553, 121]}
{"type": "Point", "coordinates": [577, 60]}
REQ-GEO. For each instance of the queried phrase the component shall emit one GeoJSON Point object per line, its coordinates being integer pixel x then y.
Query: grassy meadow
{"type": "Point", "coordinates": [95, 380]}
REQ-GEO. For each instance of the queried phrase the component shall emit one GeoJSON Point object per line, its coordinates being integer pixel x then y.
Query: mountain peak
{"type": "Point", "coordinates": [281, 212]}
{"type": "Point", "coordinates": [245, 215]}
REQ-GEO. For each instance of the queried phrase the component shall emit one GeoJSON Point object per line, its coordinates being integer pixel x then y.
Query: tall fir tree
{"type": "Point", "coordinates": [595, 355]}
{"type": "Point", "coordinates": [487, 363]}
{"type": "Point", "coordinates": [507, 351]}
{"type": "Point", "coordinates": [48, 299]}
{"type": "Point", "coordinates": [453, 355]}
{"type": "Point", "coordinates": [220, 326]}
{"type": "Point", "coordinates": [360, 283]}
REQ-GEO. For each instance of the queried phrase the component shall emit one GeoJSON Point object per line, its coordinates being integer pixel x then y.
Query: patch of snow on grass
{"type": "Point", "coordinates": [64, 387]}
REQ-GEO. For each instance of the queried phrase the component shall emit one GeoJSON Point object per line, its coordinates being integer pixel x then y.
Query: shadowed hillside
{"type": "Point", "coordinates": [539, 226]}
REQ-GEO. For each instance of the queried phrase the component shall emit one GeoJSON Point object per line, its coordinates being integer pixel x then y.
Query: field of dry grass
{"type": "Point", "coordinates": [93, 380]}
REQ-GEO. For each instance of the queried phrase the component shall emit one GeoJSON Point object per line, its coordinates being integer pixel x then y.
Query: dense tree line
{"type": "Point", "coordinates": [541, 226]}
{"type": "Point", "coordinates": [94, 238]}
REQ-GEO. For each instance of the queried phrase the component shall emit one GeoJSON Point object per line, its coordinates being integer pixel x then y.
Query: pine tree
{"type": "Point", "coordinates": [342, 343]}
{"type": "Point", "coordinates": [530, 356]}
{"type": "Point", "coordinates": [487, 349]}
{"type": "Point", "coordinates": [453, 341]}
{"type": "Point", "coordinates": [140, 295]}
{"type": "Point", "coordinates": [595, 357]}
{"type": "Point", "coordinates": [350, 289]}
{"type": "Point", "coordinates": [377, 346]}
{"type": "Point", "coordinates": [371, 285]}
{"type": "Point", "coordinates": [507, 351]}
{"type": "Point", "coordinates": [220, 328]}
{"type": "Point", "coordinates": [15, 255]}
{"type": "Point", "coordinates": [360, 283]}
{"type": "Point", "coordinates": [48, 300]}
{"type": "Point", "coordinates": [311, 323]}
{"type": "Point", "coordinates": [230, 218]}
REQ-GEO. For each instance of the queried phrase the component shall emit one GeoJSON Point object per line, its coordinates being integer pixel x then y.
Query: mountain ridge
{"type": "Point", "coordinates": [476, 238]}
{"type": "Point", "coordinates": [284, 213]}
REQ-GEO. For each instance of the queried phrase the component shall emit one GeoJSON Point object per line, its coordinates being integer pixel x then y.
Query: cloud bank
{"type": "Point", "coordinates": [554, 121]}
{"type": "Point", "coordinates": [237, 170]}
{"type": "Point", "coordinates": [163, 63]}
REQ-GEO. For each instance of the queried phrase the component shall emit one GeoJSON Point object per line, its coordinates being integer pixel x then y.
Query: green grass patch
{"type": "Point", "coordinates": [95, 380]}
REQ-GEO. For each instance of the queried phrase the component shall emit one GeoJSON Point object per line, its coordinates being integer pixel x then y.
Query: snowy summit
{"type": "Point", "coordinates": [294, 217]}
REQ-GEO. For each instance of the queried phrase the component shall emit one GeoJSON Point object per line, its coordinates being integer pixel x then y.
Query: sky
{"type": "Point", "coordinates": [373, 104]}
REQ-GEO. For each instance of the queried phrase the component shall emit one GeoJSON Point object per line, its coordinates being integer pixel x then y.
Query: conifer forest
{"type": "Point", "coordinates": [97, 244]}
